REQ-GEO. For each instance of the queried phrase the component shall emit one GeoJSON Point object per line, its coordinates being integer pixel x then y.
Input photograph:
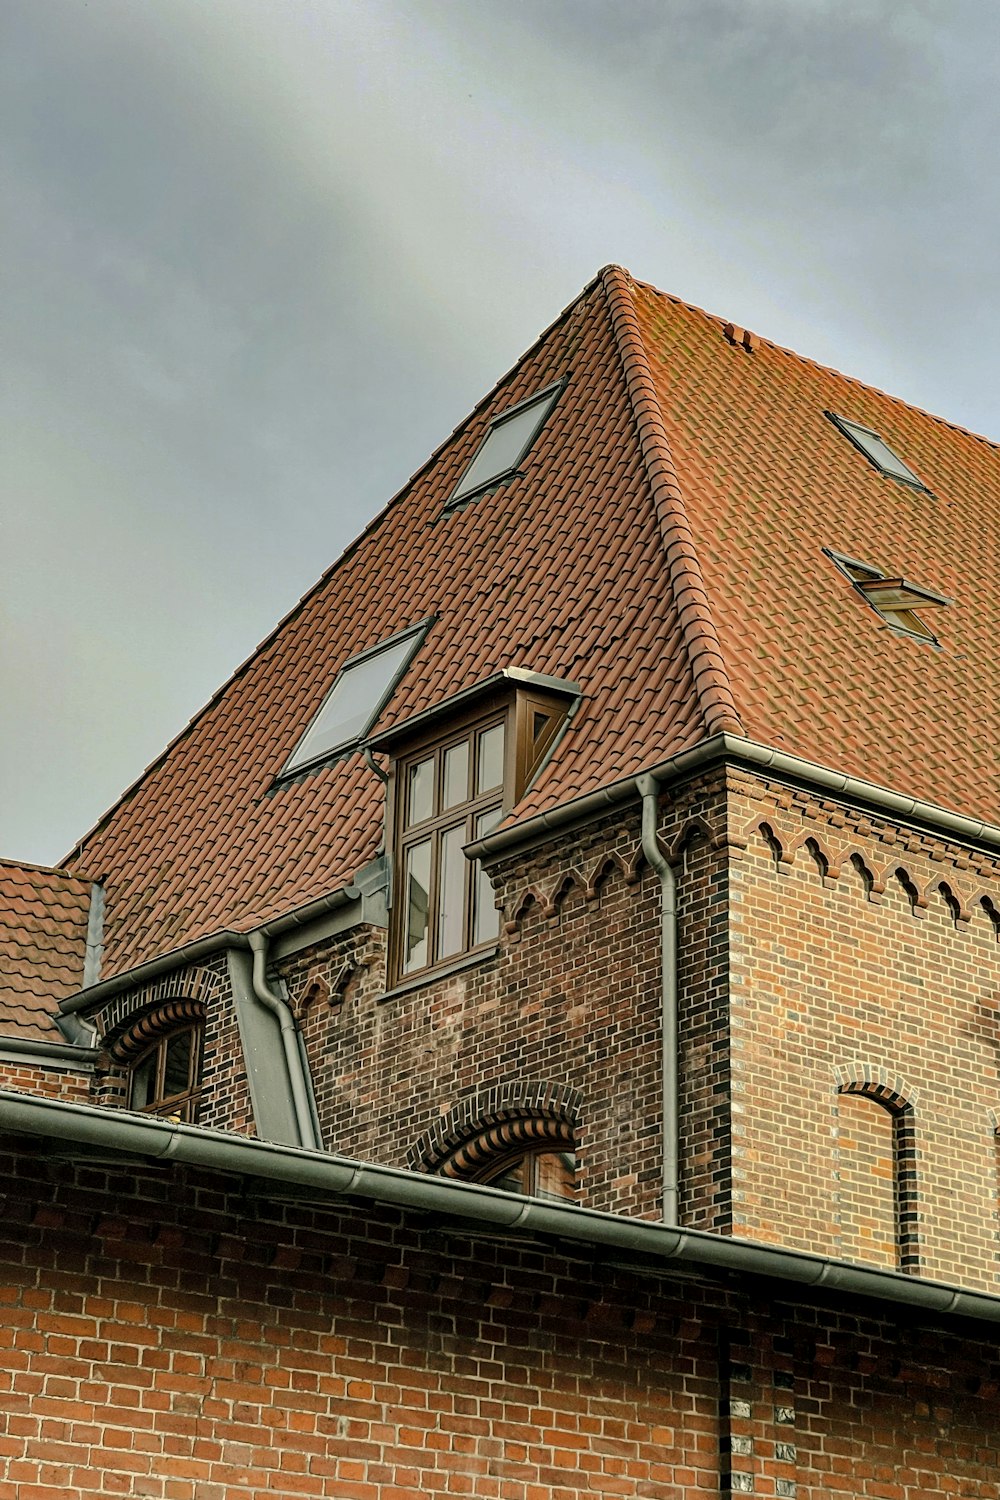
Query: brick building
{"type": "Point", "coordinates": [534, 1034]}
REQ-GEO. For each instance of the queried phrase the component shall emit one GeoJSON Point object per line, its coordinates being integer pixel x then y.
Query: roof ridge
{"type": "Point", "coordinates": [711, 678]}
{"type": "Point", "coordinates": [815, 364]}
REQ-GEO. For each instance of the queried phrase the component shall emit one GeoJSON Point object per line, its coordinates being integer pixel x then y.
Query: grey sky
{"type": "Point", "coordinates": [260, 256]}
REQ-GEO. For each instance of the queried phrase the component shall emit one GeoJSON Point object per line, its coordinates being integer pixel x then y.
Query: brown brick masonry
{"type": "Point", "coordinates": [168, 1336]}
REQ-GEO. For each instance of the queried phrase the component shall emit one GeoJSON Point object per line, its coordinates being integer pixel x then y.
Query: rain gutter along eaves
{"type": "Point", "coordinates": [748, 753]}
{"type": "Point", "coordinates": [656, 1245]}
{"type": "Point", "coordinates": [63, 1053]}
{"type": "Point", "coordinates": [216, 942]}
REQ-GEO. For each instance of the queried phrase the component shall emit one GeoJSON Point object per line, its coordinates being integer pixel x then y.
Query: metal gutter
{"type": "Point", "coordinates": [734, 749]}
{"type": "Point", "coordinates": [656, 1245]}
{"type": "Point", "coordinates": [205, 947]}
{"type": "Point", "coordinates": [54, 1052]}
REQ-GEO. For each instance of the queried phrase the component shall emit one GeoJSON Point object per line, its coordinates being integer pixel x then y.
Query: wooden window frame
{"type": "Point", "coordinates": [525, 1162]}
{"type": "Point", "coordinates": [527, 741]}
{"type": "Point", "coordinates": [181, 1106]}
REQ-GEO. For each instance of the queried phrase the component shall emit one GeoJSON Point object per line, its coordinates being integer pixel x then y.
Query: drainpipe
{"type": "Point", "coordinates": [291, 1042]}
{"type": "Point", "coordinates": [648, 789]}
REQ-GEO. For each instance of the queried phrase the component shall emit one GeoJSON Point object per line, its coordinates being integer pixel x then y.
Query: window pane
{"type": "Point", "coordinates": [177, 1070]}
{"type": "Point", "coordinates": [349, 710]}
{"type": "Point", "coordinates": [555, 1175]}
{"type": "Point", "coordinates": [456, 775]}
{"type": "Point", "coordinates": [505, 444]}
{"type": "Point", "coordinates": [420, 792]}
{"type": "Point", "coordinates": [416, 895]}
{"type": "Point", "coordinates": [451, 918]}
{"type": "Point", "coordinates": [486, 918]}
{"type": "Point", "coordinates": [144, 1081]}
{"type": "Point", "coordinates": [511, 1179]}
{"type": "Point", "coordinates": [490, 759]}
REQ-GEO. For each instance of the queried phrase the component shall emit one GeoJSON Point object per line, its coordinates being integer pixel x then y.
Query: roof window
{"type": "Point", "coordinates": [360, 692]}
{"type": "Point", "coordinates": [895, 599]}
{"type": "Point", "coordinates": [877, 452]}
{"type": "Point", "coordinates": [510, 436]}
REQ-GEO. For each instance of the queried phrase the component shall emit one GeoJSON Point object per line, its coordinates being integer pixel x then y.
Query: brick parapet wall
{"type": "Point", "coordinates": [55, 1082]}
{"type": "Point", "coordinates": [170, 1335]}
{"type": "Point", "coordinates": [861, 954]}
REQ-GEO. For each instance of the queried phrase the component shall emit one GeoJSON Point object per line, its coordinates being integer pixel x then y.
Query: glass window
{"type": "Point", "coordinates": [876, 450]}
{"type": "Point", "coordinates": [506, 443]}
{"type": "Point", "coordinates": [355, 701]}
{"type": "Point", "coordinates": [451, 796]}
{"type": "Point", "coordinates": [166, 1080]}
{"type": "Point", "coordinates": [538, 1174]}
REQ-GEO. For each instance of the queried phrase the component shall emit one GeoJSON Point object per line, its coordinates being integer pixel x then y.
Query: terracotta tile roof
{"type": "Point", "coordinates": [43, 938]}
{"type": "Point", "coordinates": [663, 548]}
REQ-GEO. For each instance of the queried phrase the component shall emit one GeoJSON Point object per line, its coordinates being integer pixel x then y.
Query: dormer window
{"type": "Point", "coordinates": [506, 444]}
{"type": "Point", "coordinates": [360, 692]}
{"type": "Point", "coordinates": [456, 773]}
{"type": "Point", "coordinates": [876, 450]}
{"type": "Point", "coordinates": [895, 599]}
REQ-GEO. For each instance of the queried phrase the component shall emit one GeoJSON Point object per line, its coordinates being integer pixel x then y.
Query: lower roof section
{"type": "Point", "coordinates": [651, 1246]}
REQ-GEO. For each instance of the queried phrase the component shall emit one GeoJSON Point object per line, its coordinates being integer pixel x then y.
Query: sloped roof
{"type": "Point", "coordinates": [663, 548]}
{"type": "Point", "coordinates": [768, 481]}
{"type": "Point", "coordinates": [43, 940]}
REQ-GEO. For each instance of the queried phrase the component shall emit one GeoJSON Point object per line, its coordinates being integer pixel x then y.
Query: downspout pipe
{"type": "Point", "coordinates": [648, 789]}
{"type": "Point", "coordinates": [290, 1041]}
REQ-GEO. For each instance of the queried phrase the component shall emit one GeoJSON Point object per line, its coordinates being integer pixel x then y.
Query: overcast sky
{"type": "Point", "coordinates": [261, 256]}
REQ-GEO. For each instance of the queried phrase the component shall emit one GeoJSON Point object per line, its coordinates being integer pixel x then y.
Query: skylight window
{"type": "Point", "coordinates": [510, 437]}
{"type": "Point", "coordinates": [877, 452]}
{"type": "Point", "coordinates": [356, 699]}
{"type": "Point", "coordinates": [895, 599]}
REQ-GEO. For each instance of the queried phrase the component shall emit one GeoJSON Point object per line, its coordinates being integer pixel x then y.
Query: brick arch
{"type": "Point", "coordinates": [603, 866]}
{"type": "Point", "coordinates": [892, 1094]}
{"type": "Point", "coordinates": [827, 861]}
{"type": "Point", "coordinates": [953, 897]}
{"type": "Point", "coordinates": [202, 983]}
{"type": "Point", "coordinates": [499, 1121]}
{"type": "Point", "coordinates": [777, 840]}
{"type": "Point", "coordinates": [988, 907]}
{"type": "Point", "coordinates": [568, 881]}
{"type": "Point", "coordinates": [693, 828]}
{"type": "Point", "coordinates": [129, 1040]}
{"type": "Point", "coordinates": [911, 890]}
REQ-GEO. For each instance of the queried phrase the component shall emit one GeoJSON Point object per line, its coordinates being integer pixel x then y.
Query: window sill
{"type": "Point", "coordinates": [441, 971]}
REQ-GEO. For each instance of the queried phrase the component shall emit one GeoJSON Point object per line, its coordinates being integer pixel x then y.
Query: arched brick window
{"type": "Point", "coordinates": [162, 1052]}
{"type": "Point", "coordinates": [535, 1156]}
{"type": "Point", "coordinates": [876, 1168]}
{"type": "Point", "coordinates": [520, 1138]}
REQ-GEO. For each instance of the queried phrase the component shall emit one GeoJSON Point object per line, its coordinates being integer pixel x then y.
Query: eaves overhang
{"type": "Point", "coordinates": [730, 749]}
{"type": "Point", "coordinates": [651, 1247]}
{"type": "Point", "coordinates": [220, 941]}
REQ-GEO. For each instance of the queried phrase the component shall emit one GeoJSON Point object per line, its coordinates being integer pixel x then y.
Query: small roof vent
{"type": "Point", "coordinates": [741, 338]}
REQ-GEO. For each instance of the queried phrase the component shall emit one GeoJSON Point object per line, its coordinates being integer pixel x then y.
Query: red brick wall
{"type": "Point", "coordinates": [162, 1338]}
{"type": "Point", "coordinates": [843, 971]}
{"type": "Point", "coordinates": [56, 1082]}
{"type": "Point", "coordinates": [571, 1000]}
